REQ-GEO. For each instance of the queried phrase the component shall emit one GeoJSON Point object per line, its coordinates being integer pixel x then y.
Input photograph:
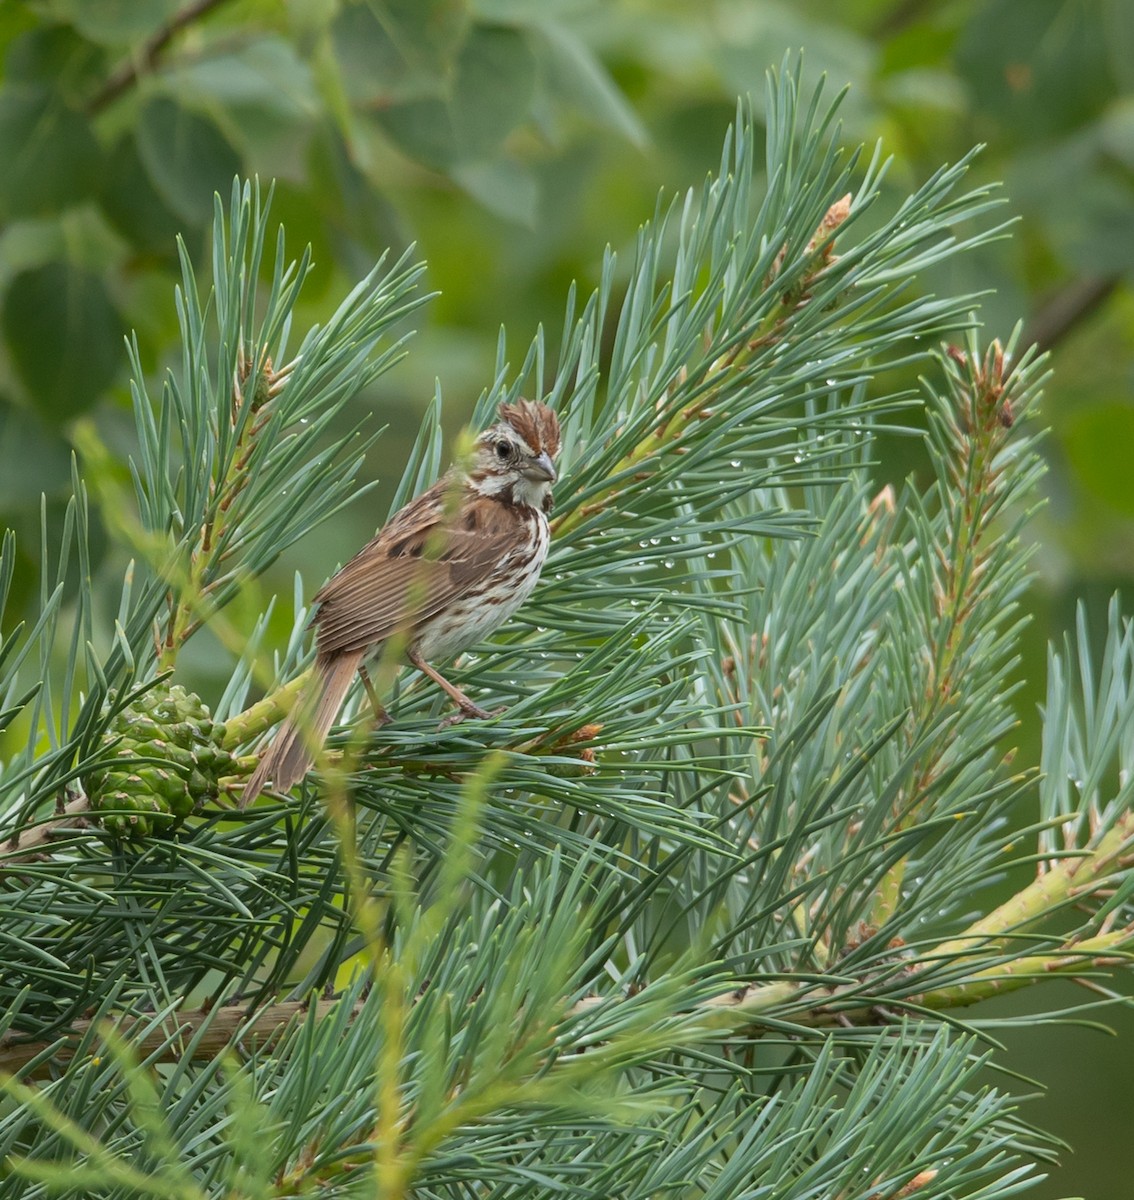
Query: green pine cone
{"type": "Point", "coordinates": [168, 761]}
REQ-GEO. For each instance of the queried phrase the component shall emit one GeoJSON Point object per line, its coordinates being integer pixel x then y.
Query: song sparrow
{"type": "Point", "coordinates": [443, 573]}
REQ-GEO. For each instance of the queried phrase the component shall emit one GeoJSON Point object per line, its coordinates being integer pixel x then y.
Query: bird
{"type": "Point", "coordinates": [441, 575]}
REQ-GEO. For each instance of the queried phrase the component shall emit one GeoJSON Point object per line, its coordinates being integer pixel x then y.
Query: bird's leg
{"type": "Point", "coordinates": [462, 701]}
{"type": "Point", "coordinates": [381, 716]}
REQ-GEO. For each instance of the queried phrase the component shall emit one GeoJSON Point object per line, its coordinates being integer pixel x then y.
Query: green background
{"type": "Point", "coordinates": [512, 140]}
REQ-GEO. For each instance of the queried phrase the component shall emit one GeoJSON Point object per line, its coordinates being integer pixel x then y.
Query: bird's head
{"type": "Point", "coordinates": [514, 458]}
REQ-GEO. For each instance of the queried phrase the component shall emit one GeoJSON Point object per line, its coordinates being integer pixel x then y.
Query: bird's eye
{"type": "Point", "coordinates": [503, 449]}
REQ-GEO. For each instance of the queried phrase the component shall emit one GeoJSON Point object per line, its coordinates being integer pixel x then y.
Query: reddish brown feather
{"type": "Point", "coordinates": [535, 423]}
{"type": "Point", "coordinates": [445, 571]}
{"type": "Point", "coordinates": [294, 747]}
{"type": "Point", "coordinates": [396, 582]}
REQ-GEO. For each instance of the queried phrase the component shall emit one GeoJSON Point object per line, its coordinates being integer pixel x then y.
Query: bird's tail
{"type": "Point", "coordinates": [301, 737]}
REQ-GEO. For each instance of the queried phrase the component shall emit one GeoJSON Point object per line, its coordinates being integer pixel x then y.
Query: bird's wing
{"type": "Point", "coordinates": [420, 563]}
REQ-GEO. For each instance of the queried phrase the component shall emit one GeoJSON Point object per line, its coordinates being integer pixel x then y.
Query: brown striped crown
{"type": "Point", "coordinates": [535, 423]}
{"type": "Point", "coordinates": [515, 457]}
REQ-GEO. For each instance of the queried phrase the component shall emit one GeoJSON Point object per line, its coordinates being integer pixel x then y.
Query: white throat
{"type": "Point", "coordinates": [531, 493]}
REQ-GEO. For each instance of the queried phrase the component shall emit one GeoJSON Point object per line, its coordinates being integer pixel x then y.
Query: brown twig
{"type": "Point", "coordinates": [902, 15]}
{"type": "Point", "coordinates": [744, 1007]}
{"type": "Point", "coordinates": [1067, 308]}
{"type": "Point", "coordinates": [221, 1025]}
{"type": "Point", "coordinates": [35, 843]}
{"type": "Point", "coordinates": [28, 845]}
{"type": "Point", "coordinates": [128, 74]}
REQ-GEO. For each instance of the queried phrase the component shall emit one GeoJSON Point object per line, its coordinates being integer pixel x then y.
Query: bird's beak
{"type": "Point", "coordinates": [540, 470]}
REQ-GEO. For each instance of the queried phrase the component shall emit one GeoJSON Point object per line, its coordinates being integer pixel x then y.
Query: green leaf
{"type": "Point", "coordinates": [1099, 237]}
{"type": "Point", "coordinates": [493, 89]}
{"type": "Point", "coordinates": [115, 21]}
{"type": "Point", "coordinates": [427, 33]}
{"type": "Point", "coordinates": [33, 458]}
{"type": "Point", "coordinates": [491, 95]}
{"type": "Point", "coordinates": [1119, 20]}
{"type": "Point", "coordinates": [373, 67]}
{"type": "Point", "coordinates": [56, 56]}
{"type": "Point", "coordinates": [1041, 67]}
{"type": "Point", "coordinates": [132, 203]}
{"type": "Point", "coordinates": [423, 129]}
{"type": "Point", "coordinates": [1097, 442]}
{"type": "Point", "coordinates": [572, 74]}
{"type": "Point", "coordinates": [1116, 131]}
{"type": "Point", "coordinates": [306, 223]}
{"type": "Point", "coordinates": [36, 459]}
{"type": "Point", "coordinates": [263, 76]}
{"type": "Point", "coordinates": [64, 335]}
{"type": "Point", "coordinates": [51, 158]}
{"type": "Point", "coordinates": [1084, 203]}
{"type": "Point", "coordinates": [360, 223]}
{"type": "Point", "coordinates": [505, 188]}
{"type": "Point", "coordinates": [186, 157]}
{"type": "Point", "coordinates": [398, 50]}
{"type": "Point", "coordinates": [918, 46]}
{"type": "Point", "coordinates": [522, 12]}
{"type": "Point", "coordinates": [758, 34]}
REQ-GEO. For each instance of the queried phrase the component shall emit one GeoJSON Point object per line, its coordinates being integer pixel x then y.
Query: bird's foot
{"type": "Point", "coordinates": [472, 710]}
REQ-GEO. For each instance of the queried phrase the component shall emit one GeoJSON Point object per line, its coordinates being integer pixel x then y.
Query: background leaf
{"type": "Point", "coordinates": [1098, 442]}
{"type": "Point", "coordinates": [51, 158]}
{"type": "Point", "coordinates": [493, 88]}
{"type": "Point", "coordinates": [1041, 66]}
{"type": "Point", "coordinates": [186, 157]}
{"type": "Point", "coordinates": [133, 204]}
{"type": "Point", "coordinates": [112, 21]}
{"type": "Point", "coordinates": [38, 461]}
{"type": "Point", "coordinates": [61, 330]}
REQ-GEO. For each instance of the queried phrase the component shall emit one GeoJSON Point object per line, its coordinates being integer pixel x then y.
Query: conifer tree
{"type": "Point", "coordinates": [703, 911]}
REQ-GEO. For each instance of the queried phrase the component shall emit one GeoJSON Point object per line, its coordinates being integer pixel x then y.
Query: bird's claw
{"type": "Point", "coordinates": [473, 710]}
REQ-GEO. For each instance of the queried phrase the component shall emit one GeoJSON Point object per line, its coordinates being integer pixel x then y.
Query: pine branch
{"type": "Point", "coordinates": [740, 1010]}
{"type": "Point", "coordinates": [959, 1135]}
{"type": "Point", "coordinates": [262, 716]}
{"type": "Point", "coordinates": [987, 396]}
{"type": "Point", "coordinates": [1075, 878]}
{"type": "Point", "coordinates": [255, 385]}
{"type": "Point", "coordinates": [205, 1033]}
{"type": "Point", "coordinates": [752, 693]}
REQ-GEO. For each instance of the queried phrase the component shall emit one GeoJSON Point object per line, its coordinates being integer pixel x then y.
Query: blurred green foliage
{"type": "Point", "coordinates": [511, 139]}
